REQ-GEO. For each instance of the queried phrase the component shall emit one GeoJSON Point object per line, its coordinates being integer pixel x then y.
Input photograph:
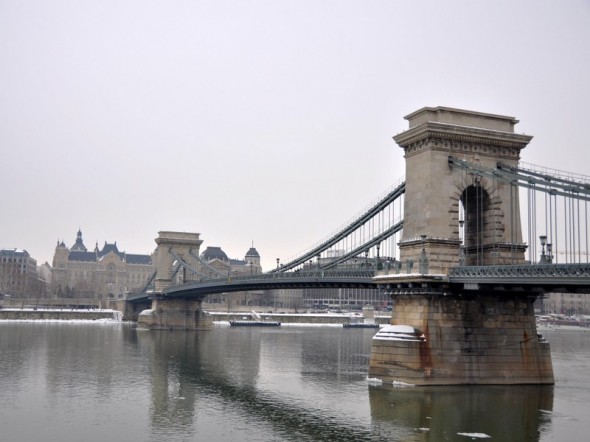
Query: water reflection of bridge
{"type": "Point", "coordinates": [236, 370]}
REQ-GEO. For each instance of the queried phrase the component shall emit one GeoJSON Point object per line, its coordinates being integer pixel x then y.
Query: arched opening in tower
{"type": "Point", "coordinates": [474, 208]}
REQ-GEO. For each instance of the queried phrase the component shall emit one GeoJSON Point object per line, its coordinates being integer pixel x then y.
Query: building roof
{"type": "Point", "coordinates": [252, 253]}
{"type": "Point", "coordinates": [79, 253]}
{"type": "Point", "coordinates": [107, 248]}
{"type": "Point", "coordinates": [14, 252]}
{"type": "Point", "coordinates": [138, 259]}
{"type": "Point", "coordinates": [79, 244]}
{"type": "Point", "coordinates": [211, 253]}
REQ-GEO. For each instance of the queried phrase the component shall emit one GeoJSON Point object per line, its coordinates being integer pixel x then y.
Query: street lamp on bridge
{"type": "Point", "coordinates": [545, 258]}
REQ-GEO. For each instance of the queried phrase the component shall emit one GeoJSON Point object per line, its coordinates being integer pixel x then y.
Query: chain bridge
{"type": "Point", "coordinates": [448, 243]}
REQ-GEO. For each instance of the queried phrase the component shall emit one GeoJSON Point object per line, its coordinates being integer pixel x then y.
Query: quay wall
{"type": "Point", "coordinates": [31, 314]}
{"type": "Point", "coordinates": [57, 315]}
{"type": "Point", "coordinates": [294, 318]}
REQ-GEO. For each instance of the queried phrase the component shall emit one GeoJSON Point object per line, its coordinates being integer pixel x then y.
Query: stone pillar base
{"type": "Point", "coordinates": [129, 310]}
{"type": "Point", "coordinates": [175, 314]}
{"type": "Point", "coordinates": [458, 339]}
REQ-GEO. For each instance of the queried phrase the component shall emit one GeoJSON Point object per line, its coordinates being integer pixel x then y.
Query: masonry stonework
{"type": "Point", "coordinates": [478, 339]}
{"type": "Point", "coordinates": [443, 334]}
{"type": "Point", "coordinates": [436, 193]}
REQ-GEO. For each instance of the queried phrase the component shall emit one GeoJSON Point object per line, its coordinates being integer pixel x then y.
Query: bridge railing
{"type": "Point", "coordinates": [576, 270]}
{"type": "Point", "coordinates": [352, 274]}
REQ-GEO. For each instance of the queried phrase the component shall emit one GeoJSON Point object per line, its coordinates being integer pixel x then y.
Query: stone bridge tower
{"type": "Point", "coordinates": [451, 216]}
{"type": "Point", "coordinates": [171, 247]}
{"type": "Point", "coordinates": [167, 312]}
{"type": "Point", "coordinates": [443, 333]}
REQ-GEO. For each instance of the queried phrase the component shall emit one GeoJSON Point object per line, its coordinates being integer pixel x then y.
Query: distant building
{"type": "Point", "coordinates": [570, 304]}
{"type": "Point", "coordinates": [101, 273]}
{"type": "Point", "coordinates": [18, 274]}
{"type": "Point", "coordinates": [216, 264]}
{"type": "Point", "coordinates": [344, 298]}
{"type": "Point", "coordinates": [44, 271]}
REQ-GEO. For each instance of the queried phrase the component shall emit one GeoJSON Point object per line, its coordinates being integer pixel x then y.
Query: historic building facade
{"type": "Point", "coordinates": [216, 264]}
{"type": "Point", "coordinates": [102, 273]}
{"type": "Point", "coordinates": [569, 304]}
{"type": "Point", "coordinates": [18, 275]}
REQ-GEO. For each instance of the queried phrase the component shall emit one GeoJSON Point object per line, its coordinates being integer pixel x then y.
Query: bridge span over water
{"type": "Point", "coordinates": [464, 245]}
{"type": "Point", "coordinates": [536, 278]}
{"type": "Point", "coordinates": [265, 281]}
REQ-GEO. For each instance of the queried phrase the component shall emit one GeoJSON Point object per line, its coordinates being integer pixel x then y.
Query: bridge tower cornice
{"type": "Point", "coordinates": [179, 239]}
{"type": "Point", "coordinates": [460, 139]}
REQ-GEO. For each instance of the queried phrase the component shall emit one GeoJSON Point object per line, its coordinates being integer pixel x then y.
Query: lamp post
{"type": "Point", "coordinates": [379, 267]}
{"type": "Point", "coordinates": [549, 254]}
{"type": "Point", "coordinates": [543, 240]}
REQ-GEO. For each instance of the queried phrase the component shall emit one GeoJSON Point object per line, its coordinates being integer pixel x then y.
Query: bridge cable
{"type": "Point", "coordinates": [182, 263]}
{"type": "Point", "coordinates": [359, 223]}
{"type": "Point", "coordinates": [365, 246]}
{"type": "Point", "coordinates": [523, 178]}
{"type": "Point", "coordinates": [585, 251]}
{"type": "Point", "coordinates": [553, 186]}
{"type": "Point", "coordinates": [148, 282]}
{"type": "Point", "coordinates": [207, 265]}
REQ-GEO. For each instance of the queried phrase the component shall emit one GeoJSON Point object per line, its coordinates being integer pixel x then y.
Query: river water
{"type": "Point", "coordinates": [111, 382]}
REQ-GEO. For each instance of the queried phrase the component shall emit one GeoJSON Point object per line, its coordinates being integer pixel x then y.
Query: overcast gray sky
{"type": "Point", "coordinates": [264, 121]}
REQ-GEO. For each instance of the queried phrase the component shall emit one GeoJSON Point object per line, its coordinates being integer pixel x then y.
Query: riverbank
{"type": "Point", "coordinates": [66, 314]}
{"type": "Point", "coordinates": [33, 314]}
{"type": "Point", "coordinates": [557, 327]}
{"type": "Point", "coordinates": [326, 319]}
{"type": "Point", "coordinates": [299, 318]}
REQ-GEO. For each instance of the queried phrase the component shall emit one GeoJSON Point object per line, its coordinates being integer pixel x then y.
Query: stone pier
{"type": "Point", "coordinates": [176, 263]}
{"type": "Point", "coordinates": [175, 314]}
{"type": "Point", "coordinates": [451, 339]}
{"type": "Point", "coordinates": [130, 310]}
